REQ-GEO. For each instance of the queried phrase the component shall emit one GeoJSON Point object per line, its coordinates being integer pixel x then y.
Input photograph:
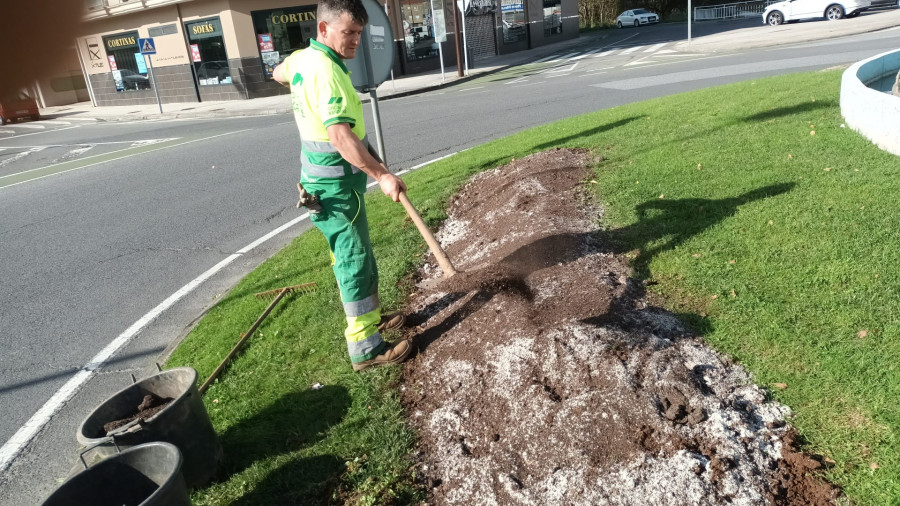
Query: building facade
{"type": "Point", "coordinates": [226, 49]}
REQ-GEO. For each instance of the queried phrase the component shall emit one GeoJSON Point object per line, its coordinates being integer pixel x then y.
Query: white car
{"type": "Point", "coordinates": [636, 17]}
{"type": "Point", "coordinates": [793, 10]}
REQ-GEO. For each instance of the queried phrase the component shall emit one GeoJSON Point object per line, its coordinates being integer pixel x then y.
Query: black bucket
{"type": "Point", "coordinates": [145, 475]}
{"type": "Point", "coordinates": [184, 423]}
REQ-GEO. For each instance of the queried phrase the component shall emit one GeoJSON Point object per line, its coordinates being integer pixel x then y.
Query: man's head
{"type": "Point", "coordinates": [340, 25]}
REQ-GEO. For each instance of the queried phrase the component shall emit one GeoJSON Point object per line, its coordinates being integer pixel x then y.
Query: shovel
{"type": "Point", "coordinates": [435, 247]}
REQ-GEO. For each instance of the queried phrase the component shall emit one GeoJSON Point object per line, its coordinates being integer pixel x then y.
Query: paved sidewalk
{"type": "Point", "coordinates": [392, 88]}
{"type": "Point", "coordinates": [728, 38]}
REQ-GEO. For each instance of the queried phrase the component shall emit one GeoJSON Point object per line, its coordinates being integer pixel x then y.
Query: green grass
{"type": "Point", "coordinates": [779, 246]}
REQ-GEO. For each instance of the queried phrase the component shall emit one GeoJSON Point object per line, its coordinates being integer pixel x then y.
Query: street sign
{"type": "Point", "coordinates": [147, 46]}
{"type": "Point", "coordinates": [375, 57]}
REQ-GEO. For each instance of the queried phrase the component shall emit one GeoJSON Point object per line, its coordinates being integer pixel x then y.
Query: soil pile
{"type": "Point", "coordinates": [544, 377]}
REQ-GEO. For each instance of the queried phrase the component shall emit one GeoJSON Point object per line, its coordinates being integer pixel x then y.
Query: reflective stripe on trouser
{"type": "Point", "coordinates": [343, 222]}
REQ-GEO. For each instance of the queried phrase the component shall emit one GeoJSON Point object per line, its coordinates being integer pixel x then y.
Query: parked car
{"type": "Point", "coordinates": [637, 17]}
{"type": "Point", "coordinates": [217, 70]}
{"type": "Point", "coordinates": [132, 80]}
{"type": "Point", "coordinates": [18, 106]}
{"type": "Point", "coordinates": [889, 4]}
{"type": "Point", "coordinates": [794, 10]}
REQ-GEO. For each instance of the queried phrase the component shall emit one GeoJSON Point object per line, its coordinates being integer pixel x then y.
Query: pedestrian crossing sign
{"type": "Point", "coordinates": [147, 46]}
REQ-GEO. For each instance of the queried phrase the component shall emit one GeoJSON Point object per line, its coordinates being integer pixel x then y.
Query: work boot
{"type": "Point", "coordinates": [391, 321]}
{"type": "Point", "coordinates": [393, 355]}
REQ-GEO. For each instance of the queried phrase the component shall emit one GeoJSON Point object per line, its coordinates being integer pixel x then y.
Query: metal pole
{"type": "Point", "coordinates": [457, 41]}
{"type": "Point", "coordinates": [376, 118]}
{"type": "Point", "coordinates": [689, 21]}
{"type": "Point", "coordinates": [153, 80]}
{"type": "Point", "coordinates": [376, 115]}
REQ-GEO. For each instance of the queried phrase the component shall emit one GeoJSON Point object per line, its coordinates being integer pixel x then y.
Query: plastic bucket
{"type": "Point", "coordinates": [184, 423]}
{"type": "Point", "coordinates": [145, 475]}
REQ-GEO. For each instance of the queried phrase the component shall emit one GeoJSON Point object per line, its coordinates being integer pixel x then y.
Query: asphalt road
{"type": "Point", "coordinates": [102, 223]}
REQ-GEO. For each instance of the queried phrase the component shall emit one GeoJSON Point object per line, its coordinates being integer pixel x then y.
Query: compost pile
{"type": "Point", "coordinates": [543, 376]}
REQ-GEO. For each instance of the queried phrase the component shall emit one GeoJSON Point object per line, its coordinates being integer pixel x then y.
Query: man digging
{"type": "Point", "coordinates": [335, 161]}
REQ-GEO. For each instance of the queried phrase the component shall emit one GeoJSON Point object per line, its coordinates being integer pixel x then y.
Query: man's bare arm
{"type": "Point", "coordinates": [353, 150]}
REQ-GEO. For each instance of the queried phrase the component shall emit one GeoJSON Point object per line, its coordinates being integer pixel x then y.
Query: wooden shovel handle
{"type": "Point", "coordinates": [435, 247]}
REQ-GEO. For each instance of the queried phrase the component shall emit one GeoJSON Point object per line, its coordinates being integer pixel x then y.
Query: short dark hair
{"type": "Point", "coordinates": [331, 10]}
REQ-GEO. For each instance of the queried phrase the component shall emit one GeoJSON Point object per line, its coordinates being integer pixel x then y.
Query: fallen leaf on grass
{"type": "Point", "coordinates": [827, 169]}
{"type": "Point", "coordinates": [812, 132]}
{"type": "Point", "coordinates": [662, 195]}
{"type": "Point", "coordinates": [790, 156]}
{"type": "Point", "coordinates": [731, 262]}
{"type": "Point", "coordinates": [862, 334]}
{"type": "Point", "coordinates": [733, 294]}
{"type": "Point", "coordinates": [771, 222]}
{"type": "Point", "coordinates": [780, 386]}
{"type": "Point", "coordinates": [715, 296]}
{"type": "Point", "coordinates": [697, 255]}
{"type": "Point", "coordinates": [215, 401]}
{"type": "Point", "coordinates": [874, 465]}
{"type": "Point", "coordinates": [698, 166]}
{"type": "Point", "coordinates": [593, 181]}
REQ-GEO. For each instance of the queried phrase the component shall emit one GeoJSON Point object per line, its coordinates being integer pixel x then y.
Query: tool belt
{"type": "Point", "coordinates": [308, 200]}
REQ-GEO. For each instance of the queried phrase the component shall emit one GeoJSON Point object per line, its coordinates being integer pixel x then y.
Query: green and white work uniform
{"type": "Point", "coordinates": [323, 95]}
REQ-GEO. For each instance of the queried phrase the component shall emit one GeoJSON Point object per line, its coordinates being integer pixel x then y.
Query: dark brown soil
{"type": "Point", "coordinates": [149, 406]}
{"type": "Point", "coordinates": [543, 376]}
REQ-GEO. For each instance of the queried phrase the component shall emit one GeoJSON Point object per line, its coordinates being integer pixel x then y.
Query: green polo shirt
{"type": "Point", "coordinates": [322, 94]}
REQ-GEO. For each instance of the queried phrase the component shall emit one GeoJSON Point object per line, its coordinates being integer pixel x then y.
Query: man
{"type": "Point", "coordinates": [335, 161]}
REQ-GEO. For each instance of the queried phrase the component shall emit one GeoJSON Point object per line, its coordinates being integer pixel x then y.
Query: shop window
{"type": "Point", "coordinates": [418, 30]}
{"type": "Point", "coordinates": [552, 17]}
{"type": "Point", "coordinates": [280, 32]}
{"type": "Point", "coordinates": [126, 63]}
{"type": "Point", "coordinates": [208, 52]}
{"type": "Point", "coordinates": [513, 19]}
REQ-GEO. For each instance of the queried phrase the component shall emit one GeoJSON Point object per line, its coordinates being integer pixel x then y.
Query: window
{"type": "Point", "coordinates": [208, 52]}
{"type": "Point", "coordinates": [127, 64]}
{"type": "Point", "coordinates": [280, 32]}
{"type": "Point", "coordinates": [418, 29]}
{"type": "Point", "coordinates": [513, 19]}
{"type": "Point", "coordinates": [552, 17]}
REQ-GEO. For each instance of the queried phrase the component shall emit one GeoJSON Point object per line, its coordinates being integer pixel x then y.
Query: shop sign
{"type": "Point", "coordinates": [159, 31]}
{"type": "Point", "coordinates": [265, 42]}
{"type": "Point", "coordinates": [195, 53]}
{"type": "Point", "coordinates": [120, 42]}
{"type": "Point", "coordinates": [283, 18]}
{"type": "Point", "coordinates": [204, 29]}
{"type": "Point", "coordinates": [112, 62]}
{"type": "Point", "coordinates": [440, 26]}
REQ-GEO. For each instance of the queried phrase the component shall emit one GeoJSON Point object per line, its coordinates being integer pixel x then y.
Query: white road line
{"type": "Point", "coordinates": [556, 70]}
{"type": "Point", "coordinates": [18, 156]}
{"type": "Point", "coordinates": [44, 132]}
{"type": "Point", "coordinates": [631, 50]}
{"type": "Point", "coordinates": [54, 122]}
{"type": "Point", "coordinates": [517, 80]}
{"type": "Point", "coordinates": [655, 47]}
{"type": "Point", "coordinates": [470, 89]}
{"type": "Point", "coordinates": [109, 160]}
{"type": "Point", "coordinates": [544, 59]}
{"type": "Point", "coordinates": [585, 55]}
{"type": "Point", "coordinates": [24, 435]}
{"type": "Point", "coordinates": [31, 126]}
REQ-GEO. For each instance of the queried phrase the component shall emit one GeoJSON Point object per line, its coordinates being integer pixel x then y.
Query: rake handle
{"type": "Point", "coordinates": [233, 352]}
{"type": "Point", "coordinates": [433, 245]}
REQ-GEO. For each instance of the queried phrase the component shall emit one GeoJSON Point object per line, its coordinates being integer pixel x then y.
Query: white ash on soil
{"type": "Point", "coordinates": [557, 384]}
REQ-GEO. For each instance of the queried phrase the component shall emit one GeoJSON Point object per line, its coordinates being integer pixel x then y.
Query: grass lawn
{"type": "Point", "coordinates": [758, 218]}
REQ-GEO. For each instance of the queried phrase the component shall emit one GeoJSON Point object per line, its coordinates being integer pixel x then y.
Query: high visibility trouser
{"type": "Point", "coordinates": [343, 222]}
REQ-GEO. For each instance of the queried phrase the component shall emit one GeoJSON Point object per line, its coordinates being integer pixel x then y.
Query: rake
{"type": "Point", "coordinates": [278, 294]}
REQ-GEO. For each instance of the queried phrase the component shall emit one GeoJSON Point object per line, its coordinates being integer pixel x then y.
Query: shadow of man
{"type": "Point", "coordinates": [292, 422]}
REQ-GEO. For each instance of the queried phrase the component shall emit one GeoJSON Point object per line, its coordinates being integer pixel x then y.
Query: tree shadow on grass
{"type": "Point", "coordinates": [777, 112]}
{"type": "Point", "coordinates": [587, 132]}
{"type": "Point", "coordinates": [292, 422]}
{"type": "Point", "coordinates": [307, 481]}
{"type": "Point", "coordinates": [674, 221]}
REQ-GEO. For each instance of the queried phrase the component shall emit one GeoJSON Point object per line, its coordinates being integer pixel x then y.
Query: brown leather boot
{"type": "Point", "coordinates": [395, 354]}
{"type": "Point", "coordinates": [391, 321]}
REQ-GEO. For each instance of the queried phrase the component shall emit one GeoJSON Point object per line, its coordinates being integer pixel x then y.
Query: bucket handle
{"type": "Point", "coordinates": [103, 441]}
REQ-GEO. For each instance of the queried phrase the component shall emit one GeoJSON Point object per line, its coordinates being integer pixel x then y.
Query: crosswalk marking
{"type": "Point", "coordinates": [656, 47]}
{"type": "Point", "coordinates": [585, 55]}
{"type": "Point", "coordinates": [631, 50]}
